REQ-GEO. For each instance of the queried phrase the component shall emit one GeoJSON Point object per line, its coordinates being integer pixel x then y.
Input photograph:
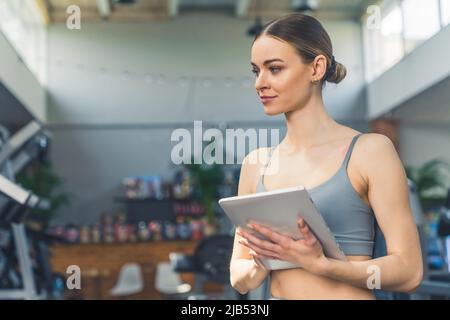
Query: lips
{"type": "Point", "coordinates": [266, 99]}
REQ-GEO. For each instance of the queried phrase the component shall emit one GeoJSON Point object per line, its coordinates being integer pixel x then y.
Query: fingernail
{"type": "Point", "coordinates": [250, 226]}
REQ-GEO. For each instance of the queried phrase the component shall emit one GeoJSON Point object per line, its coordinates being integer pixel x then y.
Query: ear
{"type": "Point", "coordinates": [319, 67]}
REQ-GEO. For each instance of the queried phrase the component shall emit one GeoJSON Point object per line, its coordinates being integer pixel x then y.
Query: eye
{"type": "Point", "coordinates": [255, 72]}
{"type": "Point", "coordinates": [275, 69]}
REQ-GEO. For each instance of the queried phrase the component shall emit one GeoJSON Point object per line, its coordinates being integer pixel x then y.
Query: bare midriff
{"type": "Point", "coordinates": [299, 284]}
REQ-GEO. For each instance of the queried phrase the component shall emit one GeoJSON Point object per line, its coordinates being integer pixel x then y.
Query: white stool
{"type": "Point", "coordinates": [130, 280]}
{"type": "Point", "coordinates": [169, 282]}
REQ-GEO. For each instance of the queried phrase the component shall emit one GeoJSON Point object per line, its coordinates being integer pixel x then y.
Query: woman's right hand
{"type": "Point", "coordinates": [255, 256]}
{"type": "Point", "coordinates": [257, 260]}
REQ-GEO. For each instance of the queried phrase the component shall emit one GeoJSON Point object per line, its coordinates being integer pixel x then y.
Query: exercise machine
{"type": "Point", "coordinates": [15, 203]}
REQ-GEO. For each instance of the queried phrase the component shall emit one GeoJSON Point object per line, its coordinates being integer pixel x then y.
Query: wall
{"type": "Point", "coordinates": [421, 143]}
{"type": "Point", "coordinates": [424, 125]}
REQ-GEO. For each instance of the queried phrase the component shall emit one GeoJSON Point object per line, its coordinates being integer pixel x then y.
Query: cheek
{"type": "Point", "coordinates": [294, 88]}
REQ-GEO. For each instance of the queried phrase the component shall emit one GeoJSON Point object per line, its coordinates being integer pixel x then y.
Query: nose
{"type": "Point", "coordinates": [261, 82]}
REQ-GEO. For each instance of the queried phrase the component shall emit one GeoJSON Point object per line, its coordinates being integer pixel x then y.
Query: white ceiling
{"type": "Point", "coordinates": [141, 10]}
{"type": "Point", "coordinates": [154, 10]}
{"type": "Point", "coordinates": [346, 9]}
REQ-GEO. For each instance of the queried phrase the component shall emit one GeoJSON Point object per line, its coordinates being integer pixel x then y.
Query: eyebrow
{"type": "Point", "coordinates": [268, 61]}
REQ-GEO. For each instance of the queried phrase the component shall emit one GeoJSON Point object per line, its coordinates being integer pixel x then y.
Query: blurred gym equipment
{"type": "Point", "coordinates": [210, 262]}
{"type": "Point", "coordinates": [436, 284]}
{"type": "Point", "coordinates": [15, 203]}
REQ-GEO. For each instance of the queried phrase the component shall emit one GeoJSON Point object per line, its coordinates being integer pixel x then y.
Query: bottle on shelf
{"type": "Point", "coordinates": [96, 235]}
{"type": "Point", "coordinates": [184, 231]}
{"type": "Point", "coordinates": [144, 232]}
{"type": "Point", "coordinates": [196, 229]}
{"type": "Point", "coordinates": [85, 235]}
{"type": "Point", "coordinates": [107, 228]}
{"type": "Point", "coordinates": [156, 230]}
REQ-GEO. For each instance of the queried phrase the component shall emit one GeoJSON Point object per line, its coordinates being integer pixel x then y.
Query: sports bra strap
{"type": "Point", "coordinates": [346, 159]}
{"type": "Point", "coordinates": [350, 149]}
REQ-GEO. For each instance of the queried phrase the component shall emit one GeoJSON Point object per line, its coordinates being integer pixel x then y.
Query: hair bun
{"type": "Point", "coordinates": [336, 72]}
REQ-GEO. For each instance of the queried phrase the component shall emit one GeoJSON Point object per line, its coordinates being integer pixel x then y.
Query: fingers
{"type": "Point", "coordinates": [272, 235]}
{"type": "Point", "coordinates": [304, 229]}
{"type": "Point", "coordinates": [258, 250]}
{"type": "Point", "coordinates": [267, 245]}
{"type": "Point", "coordinates": [257, 259]}
{"type": "Point", "coordinates": [239, 232]}
{"type": "Point", "coordinates": [309, 237]}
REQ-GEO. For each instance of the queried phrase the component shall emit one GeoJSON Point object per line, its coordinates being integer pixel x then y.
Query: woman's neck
{"type": "Point", "coordinates": [308, 126]}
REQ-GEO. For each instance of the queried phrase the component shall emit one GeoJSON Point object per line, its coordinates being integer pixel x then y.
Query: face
{"type": "Point", "coordinates": [280, 75]}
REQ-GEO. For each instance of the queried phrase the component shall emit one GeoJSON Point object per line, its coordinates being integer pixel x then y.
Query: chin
{"type": "Point", "coordinates": [271, 111]}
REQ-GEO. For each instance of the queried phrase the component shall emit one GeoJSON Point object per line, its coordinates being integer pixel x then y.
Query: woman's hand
{"type": "Point", "coordinates": [306, 252]}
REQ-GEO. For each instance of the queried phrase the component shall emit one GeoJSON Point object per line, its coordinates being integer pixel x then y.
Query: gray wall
{"type": "Point", "coordinates": [424, 125]}
{"type": "Point", "coordinates": [421, 143]}
{"type": "Point", "coordinates": [106, 127]}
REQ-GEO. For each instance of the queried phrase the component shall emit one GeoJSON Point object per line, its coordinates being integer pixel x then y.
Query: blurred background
{"type": "Point", "coordinates": [91, 91]}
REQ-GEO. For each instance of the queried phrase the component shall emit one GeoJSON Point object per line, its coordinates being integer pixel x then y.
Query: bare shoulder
{"type": "Point", "coordinates": [374, 150]}
{"type": "Point", "coordinates": [374, 144]}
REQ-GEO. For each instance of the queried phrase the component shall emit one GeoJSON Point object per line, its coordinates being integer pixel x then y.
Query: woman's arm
{"type": "Point", "coordinates": [401, 270]}
{"type": "Point", "coordinates": [245, 273]}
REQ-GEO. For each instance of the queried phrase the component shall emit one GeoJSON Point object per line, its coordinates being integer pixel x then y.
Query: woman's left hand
{"type": "Point", "coordinates": [306, 252]}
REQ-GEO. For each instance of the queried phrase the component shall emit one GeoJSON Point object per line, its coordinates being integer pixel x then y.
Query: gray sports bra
{"type": "Point", "coordinates": [349, 218]}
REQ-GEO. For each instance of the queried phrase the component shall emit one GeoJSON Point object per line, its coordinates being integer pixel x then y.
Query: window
{"type": "Point", "coordinates": [445, 12]}
{"type": "Point", "coordinates": [384, 45]}
{"type": "Point", "coordinates": [421, 21]}
{"type": "Point", "coordinates": [404, 25]}
{"type": "Point", "coordinates": [22, 25]}
{"type": "Point", "coordinates": [391, 34]}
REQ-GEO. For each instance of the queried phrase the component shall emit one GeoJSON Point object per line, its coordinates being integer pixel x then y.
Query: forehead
{"type": "Point", "coordinates": [267, 47]}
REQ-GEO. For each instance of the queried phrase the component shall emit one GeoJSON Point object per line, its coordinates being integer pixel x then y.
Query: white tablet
{"type": "Point", "coordinates": [279, 210]}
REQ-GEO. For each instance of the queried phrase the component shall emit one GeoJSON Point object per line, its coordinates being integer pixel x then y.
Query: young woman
{"type": "Point", "coordinates": [354, 179]}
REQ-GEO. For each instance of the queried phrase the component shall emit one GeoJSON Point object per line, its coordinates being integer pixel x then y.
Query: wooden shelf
{"type": "Point", "coordinates": [100, 265]}
{"type": "Point", "coordinates": [125, 199]}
